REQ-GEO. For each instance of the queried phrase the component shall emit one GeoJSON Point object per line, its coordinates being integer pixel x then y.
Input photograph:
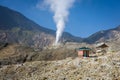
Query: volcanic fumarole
{"type": "Point", "coordinates": [60, 8]}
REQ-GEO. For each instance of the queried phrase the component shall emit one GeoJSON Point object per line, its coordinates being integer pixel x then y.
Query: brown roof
{"type": "Point", "coordinates": [101, 45]}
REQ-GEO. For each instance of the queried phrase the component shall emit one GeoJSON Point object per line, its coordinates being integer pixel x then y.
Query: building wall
{"type": "Point", "coordinates": [80, 53]}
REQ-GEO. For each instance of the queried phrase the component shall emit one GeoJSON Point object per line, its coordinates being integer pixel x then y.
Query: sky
{"type": "Point", "coordinates": [86, 16]}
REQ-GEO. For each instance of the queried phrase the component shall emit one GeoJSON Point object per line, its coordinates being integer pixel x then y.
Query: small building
{"type": "Point", "coordinates": [101, 47]}
{"type": "Point", "coordinates": [83, 52]}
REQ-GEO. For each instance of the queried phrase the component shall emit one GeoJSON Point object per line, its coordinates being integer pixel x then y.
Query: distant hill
{"type": "Point", "coordinates": [16, 28]}
{"type": "Point", "coordinates": [104, 36]}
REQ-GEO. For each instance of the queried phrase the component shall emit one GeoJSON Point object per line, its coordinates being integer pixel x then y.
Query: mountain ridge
{"type": "Point", "coordinates": [15, 27]}
{"type": "Point", "coordinates": [104, 35]}
{"type": "Point", "coordinates": [19, 29]}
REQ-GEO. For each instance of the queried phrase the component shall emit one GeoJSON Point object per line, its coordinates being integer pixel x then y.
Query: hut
{"type": "Point", "coordinates": [83, 52]}
{"type": "Point", "coordinates": [101, 47]}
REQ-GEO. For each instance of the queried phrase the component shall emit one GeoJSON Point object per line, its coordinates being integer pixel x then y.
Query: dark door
{"type": "Point", "coordinates": [86, 54]}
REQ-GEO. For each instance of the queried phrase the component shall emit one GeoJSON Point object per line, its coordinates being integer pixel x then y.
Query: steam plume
{"type": "Point", "coordinates": [60, 8]}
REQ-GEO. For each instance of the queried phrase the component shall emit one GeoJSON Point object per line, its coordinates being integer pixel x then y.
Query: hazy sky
{"type": "Point", "coordinates": [86, 16]}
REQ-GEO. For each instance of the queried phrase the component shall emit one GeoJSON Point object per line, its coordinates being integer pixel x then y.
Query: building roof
{"type": "Point", "coordinates": [84, 48]}
{"type": "Point", "coordinates": [103, 45]}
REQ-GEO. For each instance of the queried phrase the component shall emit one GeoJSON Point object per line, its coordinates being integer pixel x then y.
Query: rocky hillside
{"type": "Point", "coordinates": [102, 67]}
{"type": "Point", "coordinates": [16, 54]}
{"type": "Point", "coordinates": [16, 28]}
{"type": "Point", "coordinates": [105, 36]}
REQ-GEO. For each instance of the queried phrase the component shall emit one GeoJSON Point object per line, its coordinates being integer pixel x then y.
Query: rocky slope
{"type": "Point", "coordinates": [15, 54]}
{"type": "Point", "coordinates": [57, 63]}
{"type": "Point", "coordinates": [103, 67]}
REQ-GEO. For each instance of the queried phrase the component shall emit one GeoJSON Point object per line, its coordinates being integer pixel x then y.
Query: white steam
{"type": "Point", "coordinates": [60, 8]}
